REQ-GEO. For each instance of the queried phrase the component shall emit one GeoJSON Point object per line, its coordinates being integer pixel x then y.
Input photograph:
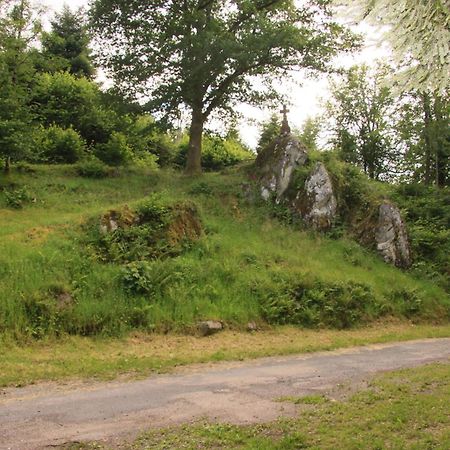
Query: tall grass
{"type": "Point", "coordinates": [244, 258]}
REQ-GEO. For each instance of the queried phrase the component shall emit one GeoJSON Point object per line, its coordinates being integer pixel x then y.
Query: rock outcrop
{"type": "Point", "coordinates": [316, 201]}
{"type": "Point", "coordinates": [321, 204]}
{"type": "Point", "coordinates": [391, 236]}
{"type": "Point", "coordinates": [276, 165]}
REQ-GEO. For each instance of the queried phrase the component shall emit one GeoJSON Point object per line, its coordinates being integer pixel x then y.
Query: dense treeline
{"type": "Point", "coordinates": [52, 110]}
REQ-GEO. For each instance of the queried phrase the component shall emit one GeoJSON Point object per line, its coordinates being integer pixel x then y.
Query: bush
{"type": "Point", "coordinates": [317, 304]}
{"type": "Point", "coordinates": [116, 152]}
{"type": "Point", "coordinates": [17, 198]}
{"type": "Point", "coordinates": [217, 153]}
{"type": "Point", "coordinates": [58, 145]}
{"type": "Point", "coordinates": [92, 168]}
{"type": "Point", "coordinates": [146, 161]}
{"type": "Point", "coordinates": [427, 213]}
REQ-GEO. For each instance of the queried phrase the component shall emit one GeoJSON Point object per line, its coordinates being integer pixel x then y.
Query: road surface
{"type": "Point", "coordinates": [49, 415]}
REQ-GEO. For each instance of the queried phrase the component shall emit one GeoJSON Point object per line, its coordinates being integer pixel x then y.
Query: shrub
{"type": "Point", "coordinates": [201, 188]}
{"type": "Point", "coordinates": [146, 161]}
{"type": "Point", "coordinates": [58, 145]}
{"type": "Point", "coordinates": [217, 153]}
{"type": "Point", "coordinates": [317, 304]}
{"type": "Point", "coordinates": [116, 152]}
{"type": "Point", "coordinates": [92, 168]}
{"type": "Point", "coordinates": [153, 209]}
{"type": "Point", "coordinates": [17, 198]}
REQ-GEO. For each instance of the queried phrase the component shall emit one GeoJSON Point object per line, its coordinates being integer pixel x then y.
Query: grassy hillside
{"type": "Point", "coordinates": [247, 266]}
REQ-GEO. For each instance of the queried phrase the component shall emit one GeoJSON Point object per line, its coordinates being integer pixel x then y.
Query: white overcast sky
{"type": "Point", "coordinates": [305, 99]}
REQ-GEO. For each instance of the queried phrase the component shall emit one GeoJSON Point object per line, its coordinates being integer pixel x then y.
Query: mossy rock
{"type": "Point", "coordinates": [153, 230]}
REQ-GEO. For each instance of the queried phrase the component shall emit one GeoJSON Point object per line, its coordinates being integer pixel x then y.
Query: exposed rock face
{"type": "Point", "coordinates": [276, 165]}
{"type": "Point", "coordinates": [185, 224]}
{"type": "Point", "coordinates": [391, 236]}
{"type": "Point", "coordinates": [317, 203]}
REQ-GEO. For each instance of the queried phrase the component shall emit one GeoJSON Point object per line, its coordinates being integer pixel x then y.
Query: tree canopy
{"type": "Point", "coordinates": [419, 33]}
{"type": "Point", "coordinates": [66, 47]}
{"type": "Point", "coordinates": [205, 55]}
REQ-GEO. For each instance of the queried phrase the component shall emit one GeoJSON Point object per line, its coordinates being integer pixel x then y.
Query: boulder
{"type": "Point", "coordinates": [316, 203]}
{"type": "Point", "coordinates": [276, 165]}
{"type": "Point", "coordinates": [208, 327]}
{"type": "Point", "coordinates": [391, 236]}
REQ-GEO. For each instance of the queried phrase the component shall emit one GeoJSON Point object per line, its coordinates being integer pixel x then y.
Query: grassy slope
{"type": "Point", "coordinates": [243, 250]}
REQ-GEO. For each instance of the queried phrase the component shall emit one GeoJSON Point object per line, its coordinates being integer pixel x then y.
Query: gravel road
{"type": "Point", "coordinates": [49, 415]}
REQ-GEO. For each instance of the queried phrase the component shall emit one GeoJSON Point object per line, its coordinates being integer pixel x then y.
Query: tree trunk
{"type": "Point", "coordinates": [7, 167]}
{"type": "Point", "coordinates": [442, 136]}
{"type": "Point", "coordinates": [427, 125]}
{"type": "Point", "coordinates": [194, 156]}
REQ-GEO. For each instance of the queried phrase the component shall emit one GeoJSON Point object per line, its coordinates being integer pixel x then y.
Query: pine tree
{"type": "Point", "coordinates": [66, 47]}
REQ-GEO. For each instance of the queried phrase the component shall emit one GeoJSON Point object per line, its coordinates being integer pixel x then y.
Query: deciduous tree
{"type": "Point", "coordinates": [360, 112]}
{"type": "Point", "coordinates": [206, 54]}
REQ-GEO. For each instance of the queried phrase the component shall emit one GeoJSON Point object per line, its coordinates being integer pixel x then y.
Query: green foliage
{"type": "Point", "coordinates": [146, 138]}
{"type": "Point", "coordinates": [217, 154]}
{"type": "Point", "coordinates": [359, 110]}
{"type": "Point", "coordinates": [153, 209]}
{"type": "Point", "coordinates": [144, 233]}
{"type": "Point", "coordinates": [309, 133]}
{"type": "Point", "coordinates": [66, 47]}
{"type": "Point", "coordinates": [269, 131]}
{"type": "Point", "coordinates": [115, 152]}
{"type": "Point", "coordinates": [57, 145]}
{"type": "Point", "coordinates": [419, 38]}
{"type": "Point", "coordinates": [318, 304]}
{"type": "Point", "coordinates": [150, 278]}
{"type": "Point", "coordinates": [67, 101]}
{"type": "Point", "coordinates": [409, 303]}
{"type": "Point", "coordinates": [93, 168]}
{"type": "Point", "coordinates": [427, 213]}
{"type": "Point", "coordinates": [201, 188]}
{"type": "Point", "coordinates": [17, 198]}
{"type": "Point", "coordinates": [245, 262]}
{"type": "Point", "coordinates": [19, 26]}
{"type": "Point", "coordinates": [422, 127]}
{"type": "Point", "coordinates": [204, 57]}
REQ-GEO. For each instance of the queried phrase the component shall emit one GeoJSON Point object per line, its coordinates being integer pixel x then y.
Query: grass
{"type": "Point", "coordinates": [139, 355]}
{"type": "Point", "coordinates": [242, 270]}
{"type": "Point", "coordinates": [406, 409]}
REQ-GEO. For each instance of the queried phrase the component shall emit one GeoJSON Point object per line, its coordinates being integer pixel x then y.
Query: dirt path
{"type": "Point", "coordinates": [46, 416]}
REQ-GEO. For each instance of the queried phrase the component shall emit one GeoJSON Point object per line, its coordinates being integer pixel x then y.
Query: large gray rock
{"type": "Point", "coordinates": [276, 165]}
{"type": "Point", "coordinates": [391, 236]}
{"type": "Point", "coordinates": [317, 204]}
{"type": "Point", "coordinates": [209, 327]}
